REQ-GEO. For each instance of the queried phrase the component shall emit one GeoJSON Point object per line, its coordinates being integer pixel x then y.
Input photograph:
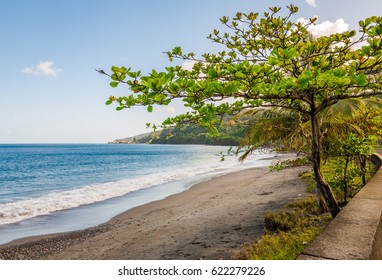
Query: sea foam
{"type": "Point", "coordinates": [60, 200]}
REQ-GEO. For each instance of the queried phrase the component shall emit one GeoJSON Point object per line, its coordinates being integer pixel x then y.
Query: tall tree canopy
{"type": "Point", "coordinates": [268, 61]}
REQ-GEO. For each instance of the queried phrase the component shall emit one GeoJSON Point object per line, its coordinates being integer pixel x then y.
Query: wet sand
{"type": "Point", "coordinates": [209, 221]}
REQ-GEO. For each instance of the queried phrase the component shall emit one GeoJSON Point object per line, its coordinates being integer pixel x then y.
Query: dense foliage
{"type": "Point", "coordinates": [268, 61]}
{"type": "Point", "coordinates": [190, 134]}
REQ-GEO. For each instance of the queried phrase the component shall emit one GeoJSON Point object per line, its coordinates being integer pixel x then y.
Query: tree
{"type": "Point", "coordinates": [273, 128]}
{"type": "Point", "coordinates": [360, 118]}
{"type": "Point", "coordinates": [270, 61]}
{"type": "Point", "coordinates": [357, 149]}
{"type": "Point", "coordinates": [286, 130]}
{"type": "Point", "coordinates": [349, 129]}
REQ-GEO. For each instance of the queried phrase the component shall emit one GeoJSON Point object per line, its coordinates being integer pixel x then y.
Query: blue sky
{"type": "Point", "coordinates": [49, 89]}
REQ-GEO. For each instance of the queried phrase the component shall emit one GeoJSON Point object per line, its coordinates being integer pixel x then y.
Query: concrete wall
{"type": "Point", "coordinates": [356, 233]}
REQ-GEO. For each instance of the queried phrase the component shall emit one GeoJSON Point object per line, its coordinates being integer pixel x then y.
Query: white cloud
{"type": "Point", "coordinates": [29, 70]}
{"type": "Point", "coordinates": [327, 27]}
{"type": "Point", "coordinates": [311, 3]}
{"type": "Point", "coordinates": [168, 110]}
{"type": "Point", "coordinates": [43, 68]}
{"type": "Point", "coordinates": [188, 64]}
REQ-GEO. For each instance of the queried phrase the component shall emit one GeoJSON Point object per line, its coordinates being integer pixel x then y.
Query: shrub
{"type": "Point", "coordinates": [288, 232]}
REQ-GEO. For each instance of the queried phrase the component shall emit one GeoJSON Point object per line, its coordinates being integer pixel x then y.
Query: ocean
{"type": "Point", "coordinates": [48, 188]}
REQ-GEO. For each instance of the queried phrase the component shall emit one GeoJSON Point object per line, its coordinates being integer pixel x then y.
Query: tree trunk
{"type": "Point", "coordinates": [322, 207]}
{"type": "Point", "coordinates": [363, 160]}
{"type": "Point", "coordinates": [321, 185]}
{"type": "Point", "coordinates": [346, 179]}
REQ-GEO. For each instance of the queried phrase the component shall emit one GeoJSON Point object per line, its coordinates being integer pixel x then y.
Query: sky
{"type": "Point", "coordinates": [49, 50]}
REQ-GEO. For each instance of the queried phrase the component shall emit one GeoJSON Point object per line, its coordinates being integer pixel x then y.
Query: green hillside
{"type": "Point", "coordinates": [230, 135]}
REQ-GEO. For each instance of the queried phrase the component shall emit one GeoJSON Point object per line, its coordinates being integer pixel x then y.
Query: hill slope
{"type": "Point", "coordinates": [190, 134]}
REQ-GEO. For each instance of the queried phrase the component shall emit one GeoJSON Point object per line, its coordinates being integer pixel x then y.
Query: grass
{"type": "Point", "coordinates": [288, 232]}
{"type": "Point", "coordinates": [308, 179]}
{"type": "Point", "coordinates": [288, 163]}
{"type": "Point", "coordinates": [281, 246]}
{"type": "Point", "coordinates": [333, 174]}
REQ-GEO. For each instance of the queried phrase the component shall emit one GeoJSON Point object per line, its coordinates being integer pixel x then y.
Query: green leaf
{"type": "Point", "coordinates": [108, 102]}
{"type": "Point", "coordinates": [212, 73]}
{"type": "Point", "coordinates": [114, 84]}
{"type": "Point", "coordinates": [159, 98]}
{"type": "Point", "coordinates": [304, 82]}
{"type": "Point", "coordinates": [152, 94]}
{"type": "Point", "coordinates": [224, 20]}
{"type": "Point", "coordinates": [240, 75]}
{"type": "Point", "coordinates": [174, 87]}
{"type": "Point", "coordinates": [177, 51]}
{"type": "Point", "coordinates": [272, 60]}
{"type": "Point", "coordinates": [362, 80]}
{"type": "Point", "coordinates": [189, 100]}
{"type": "Point", "coordinates": [378, 30]}
{"type": "Point", "coordinates": [352, 33]}
{"type": "Point", "coordinates": [132, 74]}
{"type": "Point", "coordinates": [149, 108]}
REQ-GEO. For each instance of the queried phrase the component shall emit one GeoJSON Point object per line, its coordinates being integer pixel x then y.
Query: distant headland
{"type": "Point", "coordinates": [190, 134]}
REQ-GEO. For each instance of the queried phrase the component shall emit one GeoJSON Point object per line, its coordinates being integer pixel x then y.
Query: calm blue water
{"type": "Point", "coordinates": [52, 188]}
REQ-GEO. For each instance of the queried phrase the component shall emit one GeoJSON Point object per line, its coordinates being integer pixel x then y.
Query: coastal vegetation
{"type": "Point", "coordinates": [290, 230]}
{"type": "Point", "coordinates": [351, 128]}
{"type": "Point", "coordinates": [274, 65]}
{"type": "Point", "coordinates": [345, 186]}
{"type": "Point", "coordinates": [287, 232]}
{"type": "Point", "coordinates": [229, 135]}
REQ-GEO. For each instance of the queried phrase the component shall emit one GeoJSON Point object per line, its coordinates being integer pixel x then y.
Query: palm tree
{"type": "Point", "coordinates": [273, 128]}
{"type": "Point", "coordinates": [287, 130]}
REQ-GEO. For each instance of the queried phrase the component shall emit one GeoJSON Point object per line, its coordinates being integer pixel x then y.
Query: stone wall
{"type": "Point", "coordinates": [356, 233]}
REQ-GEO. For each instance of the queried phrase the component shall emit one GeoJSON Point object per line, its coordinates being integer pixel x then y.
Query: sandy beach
{"type": "Point", "coordinates": [209, 221]}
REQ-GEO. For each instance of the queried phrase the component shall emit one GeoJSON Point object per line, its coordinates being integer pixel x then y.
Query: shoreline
{"type": "Point", "coordinates": [107, 195]}
{"type": "Point", "coordinates": [209, 221]}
